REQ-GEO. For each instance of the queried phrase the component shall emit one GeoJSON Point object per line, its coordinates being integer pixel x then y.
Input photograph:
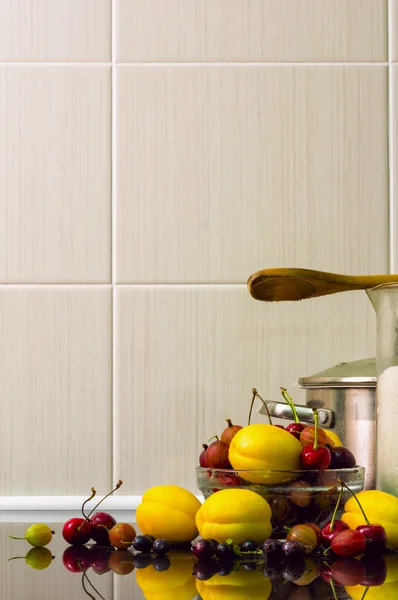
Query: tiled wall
{"type": "Point", "coordinates": [153, 154]}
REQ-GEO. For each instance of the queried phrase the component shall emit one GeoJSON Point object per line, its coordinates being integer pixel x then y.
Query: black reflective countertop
{"type": "Point", "coordinates": [62, 572]}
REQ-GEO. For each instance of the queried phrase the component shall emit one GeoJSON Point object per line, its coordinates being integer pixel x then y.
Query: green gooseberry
{"type": "Point", "coordinates": [38, 558]}
{"type": "Point", "coordinates": [37, 535]}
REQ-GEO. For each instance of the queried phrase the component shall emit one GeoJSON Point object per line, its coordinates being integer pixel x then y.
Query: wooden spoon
{"type": "Point", "coordinates": [276, 285]}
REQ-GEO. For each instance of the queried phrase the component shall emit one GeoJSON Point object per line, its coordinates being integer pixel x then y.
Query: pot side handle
{"type": "Point", "coordinates": [280, 410]}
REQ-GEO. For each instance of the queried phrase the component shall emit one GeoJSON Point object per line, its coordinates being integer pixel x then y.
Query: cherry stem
{"type": "Point", "coordinates": [84, 587]}
{"type": "Point", "coordinates": [290, 402]}
{"type": "Point", "coordinates": [356, 500]}
{"type": "Point", "coordinates": [94, 588]}
{"type": "Point", "coordinates": [336, 508]}
{"type": "Point", "coordinates": [257, 395]}
{"type": "Point", "coordinates": [93, 492]}
{"type": "Point", "coordinates": [230, 424]}
{"type": "Point", "coordinates": [117, 486]}
{"type": "Point", "coordinates": [365, 592]}
{"type": "Point", "coordinates": [314, 410]}
{"type": "Point", "coordinates": [333, 589]}
{"type": "Point", "coordinates": [215, 437]}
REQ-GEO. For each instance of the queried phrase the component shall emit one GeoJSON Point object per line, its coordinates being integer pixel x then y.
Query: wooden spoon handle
{"type": "Point", "coordinates": [275, 285]}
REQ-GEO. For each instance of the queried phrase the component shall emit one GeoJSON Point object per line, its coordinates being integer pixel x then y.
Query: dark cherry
{"type": "Point", "coordinates": [143, 543]}
{"type": "Point", "coordinates": [77, 531]}
{"type": "Point", "coordinates": [101, 522]}
{"type": "Point", "coordinates": [77, 559]}
{"type": "Point", "coordinates": [376, 537]}
{"type": "Point", "coordinates": [273, 550]}
{"type": "Point", "coordinates": [376, 570]}
{"type": "Point", "coordinates": [348, 543]}
{"type": "Point", "coordinates": [280, 426]}
{"type": "Point", "coordinates": [249, 546]}
{"type": "Point", "coordinates": [203, 548]}
{"type": "Point", "coordinates": [327, 535]}
{"type": "Point", "coordinates": [161, 546]}
{"type": "Point", "coordinates": [161, 563]}
{"type": "Point", "coordinates": [205, 569]}
{"type": "Point", "coordinates": [202, 456]}
{"type": "Point", "coordinates": [99, 558]}
{"type": "Point", "coordinates": [312, 458]}
{"type": "Point", "coordinates": [293, 549]}
{"type": "Point", "coordinates": [342, 458]}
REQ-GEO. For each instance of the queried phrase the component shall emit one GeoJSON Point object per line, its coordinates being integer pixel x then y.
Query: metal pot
{"type": "Point", "coordinates": [345, 396]}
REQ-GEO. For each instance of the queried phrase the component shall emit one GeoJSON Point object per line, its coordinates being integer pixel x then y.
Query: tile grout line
{"type": "Point", "coordinates": [113, 253]}
{"type": "Point", "coordinates": [259, 63]}
{"type": "Point", "coordinates": [392, 266]}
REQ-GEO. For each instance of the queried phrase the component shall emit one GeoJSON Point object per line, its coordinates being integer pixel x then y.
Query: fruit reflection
{"type": "Point", "coordinates": [387, 591]}
{"type": "Point", "coordinates": [37, 558]}
{"type": "Point", "coordinates": [174, 583]}
{"type": "Point", "coordinates": [236, 586]}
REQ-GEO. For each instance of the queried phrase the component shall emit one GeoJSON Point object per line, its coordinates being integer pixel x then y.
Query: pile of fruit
{"type": "Point", "coordinates": [295, 468]}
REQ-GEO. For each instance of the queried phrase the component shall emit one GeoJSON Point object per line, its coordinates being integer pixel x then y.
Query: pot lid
{"type": "Point", "coordinates": [357, 373]}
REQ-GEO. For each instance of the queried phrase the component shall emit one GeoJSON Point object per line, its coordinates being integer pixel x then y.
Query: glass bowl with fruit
{"type": "Point", "coordinates": [298, 470]}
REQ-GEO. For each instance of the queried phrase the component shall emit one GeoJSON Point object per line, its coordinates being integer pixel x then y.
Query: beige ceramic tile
{"type": "Point", "coordinates": [251, 30]}
{"type": "Point", "coordinates": [394, 187]}
{"type": "Point", "coordinates": [393, 17]}
{"type": "Point", "coordinates": [55, 174]}
{"type": "Point", "coordinates": [226, 170]}
{"type": "Point", "coordinates": [18, 580]}
{"type": "Point", "coordinates": [55, 380]}
{"type": "Point", "coordinates": [55, 30]}
{"type": "Point", "coordinates": [187, 358]}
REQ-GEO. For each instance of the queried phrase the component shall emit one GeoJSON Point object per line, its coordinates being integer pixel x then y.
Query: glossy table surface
{"type": "Point", "coordinates": [117, 575]}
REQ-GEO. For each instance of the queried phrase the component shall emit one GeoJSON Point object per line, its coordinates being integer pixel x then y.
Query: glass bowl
{"type": "Point", "coordinates": [300, 497]}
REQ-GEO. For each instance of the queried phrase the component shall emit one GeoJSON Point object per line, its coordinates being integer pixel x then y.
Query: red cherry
{"type": "Point", "coordinates": [101, 522]}
{"type": "Point", "coordinates": [315, 458]}
{"type": "Point", "coordinates": [327, 535]}
{"type": "Point", "coordinates": [202, 456]}
{"type": "Point", "coordinates": [280, 426]}
{"type": "Point", "coordinates": [76, 559]}
{"type": "Point", "coordinates": [295, 429]}
{"type": "Point", "coordinates": [348, 543]}
{"type": "Point", "coordinates": [77, 531]}
{"type": "Point", "coordinates": [376, 537]}
{"type": "Point", "coordinates": [348, 571]}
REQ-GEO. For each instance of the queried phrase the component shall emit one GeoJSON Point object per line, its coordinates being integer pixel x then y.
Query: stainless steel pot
{"type": "Point", "coordinates": [345, 396]}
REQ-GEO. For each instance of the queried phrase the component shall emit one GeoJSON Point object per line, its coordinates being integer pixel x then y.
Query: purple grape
{"type": "Point", "coordinates": [143, 543]}
{"type": "Point", "coordinates": [273, 549]}
{"type": "Point", "coordinates": [294, 568]}
{"type": "Point", "coordinates": [249, 566]}
{"type": "Point", "coordinates": [161, 563]}
{"type": "Point", "coordinates": [293, 549]}
{"type": "Point", "coordinates": [248, 546]}
{"type": "Point", "coordinates": [225, 567]}
{"type": "Point", "coordinates": [225, 550]}
{"type": "Point", "coordinates": [142, 561]}
{"type": "Point", "coordinates": [161, 546]}
{"type": "Point", "coordinates": [203, 549]}
{"type": "Point", "coordinates": [205, 569]}
{"type": "Point", "coordinates": [272, 569]}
